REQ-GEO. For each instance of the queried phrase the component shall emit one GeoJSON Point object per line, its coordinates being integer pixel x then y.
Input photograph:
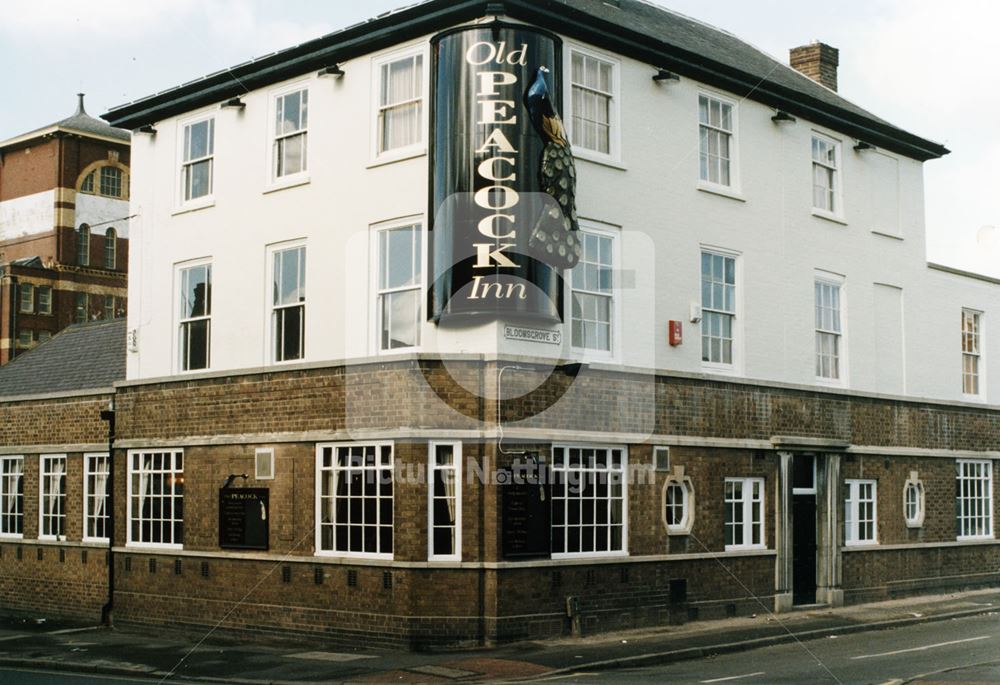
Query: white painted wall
{"type": "Point", "coordinates": [102, 213]}
{"type": "Point", "coordinates": [27, 215]}
{"type": "Point", "coordinates": [652, 197]}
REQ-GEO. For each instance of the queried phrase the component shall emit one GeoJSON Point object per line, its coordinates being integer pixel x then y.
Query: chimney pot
{"type": "Point", "coordinates": [818, 61]}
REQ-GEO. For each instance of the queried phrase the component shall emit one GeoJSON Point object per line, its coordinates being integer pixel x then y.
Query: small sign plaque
{"type": "Point", "coordinates": [243, 518]}
{"type": "Point", "coordinates": [532, 335]}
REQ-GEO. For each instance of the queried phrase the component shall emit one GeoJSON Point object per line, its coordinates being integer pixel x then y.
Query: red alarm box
{"type": "Point", "coordinates": [676, 333]}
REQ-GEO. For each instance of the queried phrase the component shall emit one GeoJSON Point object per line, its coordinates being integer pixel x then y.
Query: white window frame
{"type": "Point", "coordinates": [677, 479]}
{"type": "Point", "coordinates": [83, 235]}
{"type": "Point", "coordinates": [661, 465]}
{"type": "Point", "coordinates": [614, 154]}
{"type": "Point", "coordinates": [23, 288]}
{"type": "Point", "coordinates": [5, 484]}
{"type": "Point", "coordinates": [978, 355]}
{"type": "Point", "coordinates": [109, 171]}
{"type": "Point", "coordinates": [81, 305]}
{"type": "Point", "coordinates": [837, 212]}
{"type": "Point", "coordinates": [832, 280]}
{"type": "Point", "coordinates": [378, 293]}
{"type": "Point", "coordinates": [979, 490]}
{"type": "Point", "coordinates": [274, 181]}
{"type": "Point", "coordinates": [268, 454]}
{"type": "Point", "coordinates": [377, 445]}
{"type": "Point", "coordinates": [915, 485]}
{"type": "Point", "coordinates": [88, 515]}
{"type": "Point", "coordinates": [418, 147]}
{"type": "Point", "coordinates": [735, 367]}
{"type": "Point", "coordinates": [183, 203]}
{"type": "Point", "coordinates": [734, 186]}
{"type": "Point", "coordinates": [47, 300]}
{"type": "Point", "coordinates": [747, 502]}
{"type": "Point", "coordinates": [272, 308]}
{"type": "Point", "coordinates": [623, 471]}
{"type": "Point", "coordinates": [456, 468]}
{"type": "Point", "coordinates": [179, 320]}
{"type": "Point", "coordinates": [586, 353]}
{"type": "Point", "coordinates": [44, 495]}
{"type": "Point", "coordinates": [111, 249]}
{"type": "Point", "coordinates": [852, 512]}
{"type": "Point", "coordinates": [178, 475]}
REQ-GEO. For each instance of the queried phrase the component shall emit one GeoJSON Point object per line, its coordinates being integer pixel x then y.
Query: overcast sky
{"type": "Point", "coordinates": [927, 65]}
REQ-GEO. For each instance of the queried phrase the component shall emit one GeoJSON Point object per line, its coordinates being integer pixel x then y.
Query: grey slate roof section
{"type": "Point", "coordinates": [81, 357]}
{"type": "Point", "coordinates": [664, 25]}
{"type": "Point", "coordinates": [84, 123]}
{"type": "Point", "coordinates": [34, 262]}
{"type": "Point", "coordinates": [636, 28]}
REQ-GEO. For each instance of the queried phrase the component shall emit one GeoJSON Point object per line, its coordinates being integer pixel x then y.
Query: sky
{"type": "Point", "coordinates": [926, 65]}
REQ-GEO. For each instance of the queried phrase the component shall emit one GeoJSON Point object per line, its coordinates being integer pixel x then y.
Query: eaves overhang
{"type": "Point", "coordinates": [427, 17]}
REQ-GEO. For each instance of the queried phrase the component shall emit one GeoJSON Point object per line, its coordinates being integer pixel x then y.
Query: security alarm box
{"type": "Point", "coordinates": [676, 333]}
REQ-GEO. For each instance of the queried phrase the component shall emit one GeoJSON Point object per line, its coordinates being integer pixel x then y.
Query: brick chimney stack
{"type": "Point", "coordinates": [818, 61]}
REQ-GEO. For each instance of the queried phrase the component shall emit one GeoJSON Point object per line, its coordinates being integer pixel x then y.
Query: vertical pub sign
{"type": "Point", "coordinates": [502, 208]}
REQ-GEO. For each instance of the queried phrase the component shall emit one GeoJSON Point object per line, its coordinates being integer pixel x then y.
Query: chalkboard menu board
{"type": "Point", "coordinates": [243, 518]}
{"type": "Point", "coordinates": [526, 517]}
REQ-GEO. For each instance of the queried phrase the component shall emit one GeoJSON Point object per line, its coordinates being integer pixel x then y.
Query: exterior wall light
{"type": "Point", "coordinates": [664, 75]}
{"type": "Point", "coordinates": [332, 70]}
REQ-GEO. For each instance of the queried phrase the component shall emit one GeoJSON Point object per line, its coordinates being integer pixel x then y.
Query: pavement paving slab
{"type": "Point", "coordinates": [79, 647]}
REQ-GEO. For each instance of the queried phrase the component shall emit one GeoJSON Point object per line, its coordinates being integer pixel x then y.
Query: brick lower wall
{"type": "Point", "coordinates": [53, 580]}
{"type": "Point", "coordinates": [880, 574]}
{"type": "Point", "coordinates": [663, 580]}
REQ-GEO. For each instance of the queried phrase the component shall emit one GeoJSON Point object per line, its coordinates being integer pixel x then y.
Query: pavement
{"type": "Point", "coordinates": [68, 647]}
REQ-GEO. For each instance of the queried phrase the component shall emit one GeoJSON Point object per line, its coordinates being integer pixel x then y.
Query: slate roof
{"type": "Point", "coordinates": [81, 357]}
{"type": "Point", "coordinates": [79, 122]}
{"type": "Point", "coordinates": [635, 28]}
{"type": "Point", "coordinates": [33, 262]}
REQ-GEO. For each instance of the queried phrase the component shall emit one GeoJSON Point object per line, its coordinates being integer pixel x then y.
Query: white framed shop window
{"type": "Point", "coordinates": [444, 501]}
{"type": "Point", "coordinates": [744, 505]}
{"type": "Point", "coordinates": [155, 496]}
{"type": "Point", "coordinates": [589, 501]}
{"type": "Point", "coordinates": [12, 497]}
{"type": "Point", "coordinates": [860, 512]}
{"type": "Point", "coordinates": [354, 499]}
{"type": "Point", "coordinates": [51, 496]}
{"type": "Point", "coordinates": [974, 499]}
{"type": "Point", "coordinates": [95, 496]}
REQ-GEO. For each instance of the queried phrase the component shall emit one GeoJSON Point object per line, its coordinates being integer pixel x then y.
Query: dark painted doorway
{"type": "Point", "coordinates": [804, 529]}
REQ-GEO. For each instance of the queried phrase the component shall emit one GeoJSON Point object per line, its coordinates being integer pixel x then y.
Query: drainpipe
{"type": "Point", "coordinates": [12, 285]}
{"type": "Point", "coordinates": [109, 416]}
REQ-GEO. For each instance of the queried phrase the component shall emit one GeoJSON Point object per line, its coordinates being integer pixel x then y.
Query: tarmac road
{"type": "Point", "coordinates": [965, 650]}
{"type": "Point", "coordinates": [28, 677]}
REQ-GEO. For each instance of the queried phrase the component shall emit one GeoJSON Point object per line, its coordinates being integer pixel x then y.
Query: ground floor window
{"type": "Point", "coordinates": [678, 502]}
{"type": "Point", "coordinates": [744, 502]}
{"type": "Point", "coordinates": [445, 501]}
{"type": "Point", "coordinates": [354, 499]}
{"type": "Point", "coordinates": [52, 496]}
{"type": "Point", "coordinates": [860, 512]}
{"type": "Point", "coordinates": [156, 497]}
{"type": "Point", "coordinates": [12, 496]}
{"type": "Point", "coordinates": [95, 496]}
{"type": "Point", "coordinates": [974, 499]}
{"type": "Point", "coordinates": [913, 501]}
{"type": "Point", "coordinates": [588, 500]}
